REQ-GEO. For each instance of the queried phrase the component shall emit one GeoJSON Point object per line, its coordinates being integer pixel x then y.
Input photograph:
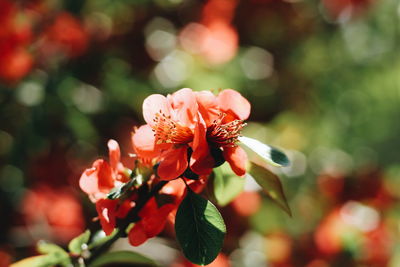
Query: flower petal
{"type": "Point", "coordinates": [104, 174]}
{"type": "Point", "coordinates": [154, 104]}
{"type": "Point", "coordinates": [106, 209]}
{"type": "Point", "coordinates": [233, 103]}
{"type": "Point", "coordinates": [174, 163]}
{"type": "Point", "coordinates": [185, 106]}
{"type": "Point", "coordinates": [237, 159]}
{"type": "Point", "coordinates": [137, 235]}
{"type": "Point", "coordinates": [143, 142]}
{"type": "Point", "coordinates": [208, 106]}
{"type": "Point", "coordinates": [114, 154]}
{"type": "Point", "coordinates": [201, 161]}
{"type": "Point", "coordinates": [152, 222]}
{"type": "Point", "coordinates": [97, 179]}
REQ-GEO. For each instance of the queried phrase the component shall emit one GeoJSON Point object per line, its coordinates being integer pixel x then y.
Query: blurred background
{"type": "Point", "coordinates": [323, 78]}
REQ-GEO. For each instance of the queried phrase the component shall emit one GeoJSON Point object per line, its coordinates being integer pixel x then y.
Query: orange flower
{"type": "Point", "coordinates": [66, 35]}
{"type": "Point", "coordinates": [111, 209]}
{"type": "Point", "coordinates": [103, 176]}
{"type": "Point", "coordinates": [56, 211]}
{"type": "Point", "coordinates": [15, 36]}
{"type": "Point", "coordinates": [178, 134]}
{"type": "Point", "coordinates": [196, 130]}
{"type": "Point", "coordinates": [224, 115]}
{"type": "Point", "coordinates": [157, 211]}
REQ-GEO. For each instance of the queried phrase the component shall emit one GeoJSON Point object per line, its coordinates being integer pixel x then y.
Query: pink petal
{"type": "Point", "coordinates": [185, 106]}
{"type": "Point", "coordinates": [232, 102]}
{"type": "Point", "coordinates": [208, 106]}
{"type": "Point", "coordinates": [88, 181]}
{"type": "Point", "coordinates": [201, 161]}
{"type": "Point", "coordinates": [106, 209]}
{"type": "Point", "coordinates": [237, 159]}
{"type": "Point", "coordinates": [97, 179]}
{"type": "Point", "coordinates": [154, 104]}
{"type": "Point", "coordinates": [114, 154]}
{"type": "Point", "coordinates": [104, 174]}
{"type": "Point", "coordinates": [143, 142]}
{"type": "Point", "coordinates": [174, 163]}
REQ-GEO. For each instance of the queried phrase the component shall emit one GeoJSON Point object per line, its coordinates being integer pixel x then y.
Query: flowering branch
{"type": "Point", "coordinates": [132, 217]}
{"type": "Point", "coordinates": [188, 136]}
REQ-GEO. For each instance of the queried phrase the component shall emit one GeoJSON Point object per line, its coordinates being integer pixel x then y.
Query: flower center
{"type": "Point", "coordinates": [168, 131]}
{"type": "Point", "coordinates": [224, 134]}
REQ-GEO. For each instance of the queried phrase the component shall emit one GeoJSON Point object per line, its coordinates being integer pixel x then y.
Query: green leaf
{"type": "Point", "coordinates": [55, 255]}
{"type": "Point", "coordinates": [100, 238]}
{"type": "Point", "coordinates": [227, 185]}
{"type": "Point", "coordinates": [45, 247]}
{"type": "Point", "coordinates": [35, 261]}
{"type": "Point", "coordinates": [121, 190]}
{"type": "Point", "coordinates": [199, 228]}
{"type": "Point", "coordinates": [268, 153]}
{"type": "Point", "coordinates": [271, 185]}
{"type": "Point", "coordinates": [122, 257]}
{"type": "Point", "coordinates": [75, 246]}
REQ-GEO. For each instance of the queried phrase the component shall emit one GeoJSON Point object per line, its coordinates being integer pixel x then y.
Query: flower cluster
{"type": "Point", "coordinates": [187, 134]}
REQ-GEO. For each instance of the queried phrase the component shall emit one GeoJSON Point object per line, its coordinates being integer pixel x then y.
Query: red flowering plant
{"type": "Point", "coordinates": [187, 138]}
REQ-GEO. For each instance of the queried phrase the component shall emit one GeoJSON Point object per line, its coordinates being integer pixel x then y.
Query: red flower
{"type": "Point", "coordinates": [191, 123]}
{"type": "Point", "coordinates": [65, 35]}
{"type": "Point", "coordinates": [109, 210]}
{"type": "Point", "coordinates": [56, 211]}
{"type": "Point", "coordinates": [224, 115]}
{"type": "Point", "coordinates": [102, 177]}
{"type": "Point", "coordinates": [157, 211]}
{"type": "Point", "coordinates": [177, 130]}
{"type": "Point", "coordinates": [15, 35]}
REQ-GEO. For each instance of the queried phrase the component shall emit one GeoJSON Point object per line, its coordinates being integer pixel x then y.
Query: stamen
{"type": "Point", "coordinates": [224, 134]}
{"type": "Point", "coordinates": [168, 131]}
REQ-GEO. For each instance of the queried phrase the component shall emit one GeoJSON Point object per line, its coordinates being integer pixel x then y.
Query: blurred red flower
{"type": "Point", "coordinates": [15, 35]}
{"type": "Point", "coordinates": [247, 203]}
{"type": "Point", "coordinates": [220, 261]}
{"type": "Point", "coordinates": [214, 38]}
{"type": "Point", "coordinates": [56, 211]}
{"type": "Point", "coordinates": [65, 35]}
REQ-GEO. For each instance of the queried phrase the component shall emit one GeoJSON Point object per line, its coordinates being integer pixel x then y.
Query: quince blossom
{"type": "Point", "coordinates": [192, 129]}
{"type": "Point", "coordinates": [98, 180]}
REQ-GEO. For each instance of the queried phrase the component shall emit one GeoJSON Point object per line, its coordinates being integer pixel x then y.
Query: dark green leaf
{"type": "Point", "coordinates": [227, 185]}
{"type": "Point", "coordinates": [199, 228]}
{"type": "Point", "coordinates": [270, 154]}
{"type": "Point", "coordinates": [121, 190]}
{"type": "Point", "coordinates": [122, 257]}
{"type": "Point", "coordinates": [75, 246]}
{"type": "Point", "coordinates": [271, 185]}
